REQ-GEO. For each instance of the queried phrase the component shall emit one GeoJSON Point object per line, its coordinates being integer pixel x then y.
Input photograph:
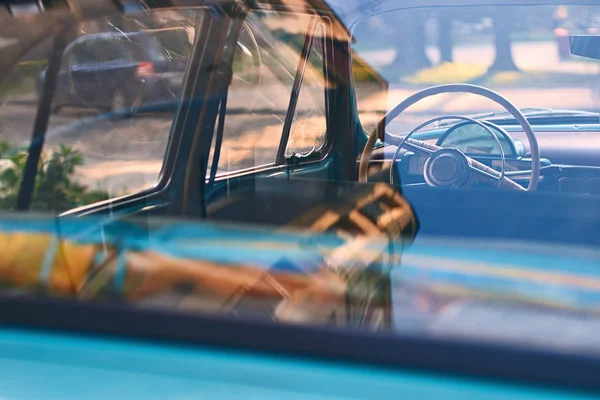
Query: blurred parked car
{"type": "Point", "coordinates": [115, 70]}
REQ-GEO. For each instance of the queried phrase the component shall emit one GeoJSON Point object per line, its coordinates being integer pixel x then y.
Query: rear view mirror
{"type": "Point", "coordinates": [587, 46]}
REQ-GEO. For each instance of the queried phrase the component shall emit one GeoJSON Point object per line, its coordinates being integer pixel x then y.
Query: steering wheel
{"type": "Point", "coordinates": [462, 165]}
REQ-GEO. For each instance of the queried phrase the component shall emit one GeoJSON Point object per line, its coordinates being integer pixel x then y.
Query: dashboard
{"type": "Point", "coordinates": [570, 154]}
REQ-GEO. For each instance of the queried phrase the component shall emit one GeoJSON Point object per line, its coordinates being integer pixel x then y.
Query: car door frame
{"type": "Point", "coordinates": [180, 190]}
{"type": "Point", "coordinates": [163, 198]}
{"type": "Point", "coordinates": [322, 162]}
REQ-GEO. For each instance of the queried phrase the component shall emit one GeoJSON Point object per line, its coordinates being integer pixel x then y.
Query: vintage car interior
{"type": "Point", "coordinates": [481, 177]}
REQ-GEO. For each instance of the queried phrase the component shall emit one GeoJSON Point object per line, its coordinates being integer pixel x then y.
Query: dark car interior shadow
{"type": "Point", "coordinates": [503, 214]}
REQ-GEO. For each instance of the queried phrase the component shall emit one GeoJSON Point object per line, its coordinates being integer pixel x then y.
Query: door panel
{"type": "Point", "coordinates": [508, 215]}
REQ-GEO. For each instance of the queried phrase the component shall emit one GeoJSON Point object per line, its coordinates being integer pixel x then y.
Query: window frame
{"type": "Point", "coordinates": [161, 195]}
{"type": "Point", "coordinates": [299, 158]}
{"type": "Point", "coordinates": [169, 193]}
{"type": "Point", "coordinates": [319, 154]}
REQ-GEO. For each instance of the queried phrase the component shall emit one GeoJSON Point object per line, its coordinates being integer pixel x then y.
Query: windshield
{"type": "Point", "coordinates": [520, 51]}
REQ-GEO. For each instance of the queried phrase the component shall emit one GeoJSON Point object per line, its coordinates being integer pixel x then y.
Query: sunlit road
{"type": "Point", "coordinates": [537, 56]}
{"type": "Point", "coordinates": [529, 56]}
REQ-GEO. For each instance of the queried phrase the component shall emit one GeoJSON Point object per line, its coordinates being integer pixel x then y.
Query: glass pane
{"type": "Point", "coordinates": [520, 51]}
{"type": "Point", "coordinates": [112, 111]}
{"type": "Point", "coordinates": [84, 53]}
{"type": "Point", "coordinates": [19, 90]}
{"type": "Point", "coordinates": [266, 59]}
{"type": "Point", "coordinates": [310, 121]}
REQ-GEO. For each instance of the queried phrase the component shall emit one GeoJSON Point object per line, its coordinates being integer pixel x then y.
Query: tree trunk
{"type": "Point", "coordinates": [410, 45]}
{"type": "Point", "coordinates": [504, 60]}
{"type": "Point", "coordinates": [445, 38]}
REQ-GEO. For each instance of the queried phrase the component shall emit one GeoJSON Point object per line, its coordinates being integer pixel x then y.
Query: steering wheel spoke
{"type": "Point", "coordinates": [484, 171]}
{"type": "Point", "coordinates": [421, 146]}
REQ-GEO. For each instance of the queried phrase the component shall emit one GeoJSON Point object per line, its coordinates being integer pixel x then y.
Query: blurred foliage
{"type": "Point", "coordinates": [476, 73]}
{"type": "Point", "coordinates": [532, 78]}
{"type": "Point", "coordinates": [365, 73]}
{"type": "Point", "coordinates": [449, 27]}
{"type": "Point", "coordinates": [446, 73]}
{"type": "Point", "coordinates": [56, 187]}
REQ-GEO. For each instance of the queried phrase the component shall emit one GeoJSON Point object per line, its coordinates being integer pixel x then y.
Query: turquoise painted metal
{"type": "Point", "coordinates": [51, 367]}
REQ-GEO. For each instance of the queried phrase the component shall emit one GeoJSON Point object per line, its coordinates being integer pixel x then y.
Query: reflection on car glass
{"type": "Point", "coordinates": [479, 150]}
{"type": "Point", "coordinates": [295, 221]}
{"type": "Point", "coordinates": [531, 327]}
{"type": "Point", "coordinates": [112, 108]}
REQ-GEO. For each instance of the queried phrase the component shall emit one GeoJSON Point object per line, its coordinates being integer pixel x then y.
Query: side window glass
{"type": "Point", "coordinates": [310, 120]}
{"type": "Point", "coordinates": [157, 51]}
{"type": "Point", "coordinates": [106, 50]}
{"type": "Point", "coordinates": [129, 51]}
{"type": "Point", "coordinates": [265, 63]}
{"type": "Point", "coordinates": [84, 53]}
{"type": "Point", "coordinates": [19, 90]}
{"type": "Point", "coordinates": [121, 49]}
{"type": "Point", "coordinates": [258, 96]}
{"type": "Point", "coordinates": [109, 127]}
{"type": "Point", "coordinates": [111, 120]}
{"type": "Point", "coordinates": [67, 57]}
{"type": "Point", "coordinates": [77, 56]}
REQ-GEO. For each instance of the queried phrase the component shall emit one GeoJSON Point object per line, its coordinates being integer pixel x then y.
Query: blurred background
{"type": "Point", "coordinates": [520, 51]}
